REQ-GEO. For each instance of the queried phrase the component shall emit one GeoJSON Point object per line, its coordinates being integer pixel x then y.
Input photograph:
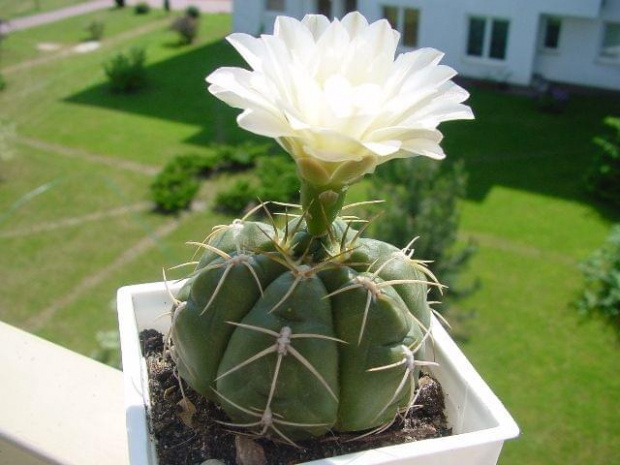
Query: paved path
{"type": "Point", "coordinates": [206, 6]}
{"type": "Point", "coordinates": [27, 22]}
{"type": "Point", "coordinates": [71, 152]}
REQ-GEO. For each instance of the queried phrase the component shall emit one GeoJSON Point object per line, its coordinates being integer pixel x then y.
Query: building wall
{"type": "Point", "coordinates": [577, 60]}
{"type": "Point", "coordinates": [444, 25]}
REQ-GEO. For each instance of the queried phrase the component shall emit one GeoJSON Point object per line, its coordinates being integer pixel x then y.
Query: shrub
{"type": "Point", "coordinates": [197, 165]}
{"type": "Point", "coordinates": [166, 5]}
{"type": "Point", "coordinates": [186, 27]}
{"type": "Point", "coordinates": [236, 199]}
{"type": "Point", "coordinates": [174, 190]}
{"type": "Point", "coordinates": [2, 83]}
{"type": "Point", "coordinates": [127, 73]}
{"type": "Point", "coordinates": [142, 8]}
{"type": "Point", "coordinates": [192, 11]}
{"type": "Point", "coordinates": [277, 176]}
{"type": "Point", "coordinates": [176, 185]}
{"type": "Point", "coordinates": [242, 156]}
{"type": "Point", "coordinates": [603, 180]}
{"type": "Point", "coordinates": [601, 271]}
{"type": "Point", "coordinates": [422, 201]}
{"type": "Point", "coordinates": [95, 30]}
{"type": "Point", "coordinates": [120, 3]}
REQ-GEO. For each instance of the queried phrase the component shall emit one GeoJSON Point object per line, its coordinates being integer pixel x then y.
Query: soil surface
{"type": "Point", "coordinates": [187, 432]}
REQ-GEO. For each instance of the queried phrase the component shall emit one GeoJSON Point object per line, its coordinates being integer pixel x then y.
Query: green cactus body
{"type": "Point", "coordinates": [295, 335]}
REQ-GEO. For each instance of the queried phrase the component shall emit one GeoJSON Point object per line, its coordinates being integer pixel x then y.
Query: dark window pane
{"type": "Point", "coordinates": [412, 19]}
{"type": "Point", "coordinates": [391, 14]}
{"type": "Point", "coordinates": [552, 33]}
{"type": "Point", "coordinates": [325, 8]}
{"type": "Point", "coordinates": [611, 41]}
{"type": "Point", "coordinates": [350, 5]}
{"type": "Point", "coordinates": [499, 39]}
{"type": "Point", "coordinates": [475, 39]}
{"type": "Point", "coordinates": [275, 5]}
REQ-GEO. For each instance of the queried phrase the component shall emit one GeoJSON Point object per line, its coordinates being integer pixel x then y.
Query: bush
{"type": "Point", "coordinates": [174, 190]}
{"type": "Point", "coordinates": [197, 165]}
{"type": "Point", "coordinates": [120, 3]}
{"type": "Point", "coordinates": [603, 180]}
{"type": "Point", "coordinates": [2, 83]}
{"type": "Point", "coordinates": [601, 273]}
{"type": "Point", "coordinates": [422, 200]}
{"type": "Point", "coordinates": [192, 11]}
{"type": "Point", "coordinates": [186, 27]}
{"type": "Point", "coordinates": [236, 199]}
{"type": "Point", "coordinates": [278, 179]}
{"type": "Point", "coordinates": [142, 8]}
{"type": "Point", "coordinates": [241, 157]}
{"type": "Point", "coordinates": [176, 185]}
{"type": "Point", "coordinates": [127, 73]}
{"type": "Point", "coordinates": [166, 5]}
{"type": "Point", "coordinates": [95, 30]}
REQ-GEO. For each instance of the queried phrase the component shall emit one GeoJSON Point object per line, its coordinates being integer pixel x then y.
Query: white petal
{"type": "Point", "coordinates": [234, 86]}
{"type": "Point", "coordinates": [424, 147]}
{"type": "Point", "coordinates": [263, 123]}
{"type": "Point", "coordinates": [354, 23]}
{"type": "Point", "coordinates": [384, 148]}
{"type": "Point", "coordinates": [316, 24]}
{"type": "Point", "coordinates": [296, 37]}
{"type": "Point", "coordinates": [250, 48]}
{"type": "Point", "coordinates": [404, 133]}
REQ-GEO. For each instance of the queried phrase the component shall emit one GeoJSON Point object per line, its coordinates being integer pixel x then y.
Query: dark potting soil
{"type": "Point", "coordinates": [188, 433]}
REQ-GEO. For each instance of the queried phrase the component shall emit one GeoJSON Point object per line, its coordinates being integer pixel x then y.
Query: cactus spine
{"type": "Point", "coordinates": [295, 334]}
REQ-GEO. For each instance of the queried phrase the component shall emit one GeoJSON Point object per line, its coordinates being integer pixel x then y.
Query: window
{"type": "Point", "coordinates": [551, 33]}
{"type": "Point", "coordinates": [488, 38]}
{"type": "Point", "coordinates": [350, 5]}
{"type": "Point", "coordinates": [405, 20]}
{"type": "Point", "coordinates": [325, 8]}
{"type": "Point", "coordinates": [275, 5]}
{"type": "Point", "coordinates": [610, 48]}
{"type": "Point", "coordinates": [391, 14]}
{"type": "Point", "coordinates": [475, 41]}
{"type": "Point", "coordinates": [410, 30]}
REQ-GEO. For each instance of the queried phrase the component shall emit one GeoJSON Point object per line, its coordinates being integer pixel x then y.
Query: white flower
{"type": "Point", "coordinates": [335, 98]}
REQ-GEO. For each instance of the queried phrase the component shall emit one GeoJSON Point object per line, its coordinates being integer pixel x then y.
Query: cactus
{"type": "Point", "coordinates": [295, 334]}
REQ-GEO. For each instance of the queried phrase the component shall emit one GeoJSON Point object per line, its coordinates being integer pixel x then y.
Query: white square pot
{"type": "Point", "coordinates": [480, 423]}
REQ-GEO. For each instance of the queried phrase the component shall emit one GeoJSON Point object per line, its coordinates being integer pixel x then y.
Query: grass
{"type": "Point", "coordinates": [16, 8]}
{"type": "Point", "coordinates": [526, 209]}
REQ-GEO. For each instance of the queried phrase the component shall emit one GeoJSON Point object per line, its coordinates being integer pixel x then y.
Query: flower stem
{"type": "Point", "coordinates": [322, 205]}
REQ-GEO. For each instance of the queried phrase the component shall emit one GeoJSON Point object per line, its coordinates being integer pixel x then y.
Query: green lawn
{"type": "Point", "coordinates": [16, 8]}
{"type": "Point", "coordinates": [65, 251]}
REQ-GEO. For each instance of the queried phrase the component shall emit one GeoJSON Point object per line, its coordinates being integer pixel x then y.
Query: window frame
{"type": "Point", "coordinates": [282, 10]}
{"type": "Point", "coordinates": [487, 38]}
{"type": "Point", "coordinates": [544, 31]}
{"type": "Point", "coordinates": [400, 23]}
{"type": "Point", "coordinates": [601, 56]}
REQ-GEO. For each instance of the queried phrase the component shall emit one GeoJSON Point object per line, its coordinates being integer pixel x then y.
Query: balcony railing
{"type": "Point", "coordinates": [56, 406]}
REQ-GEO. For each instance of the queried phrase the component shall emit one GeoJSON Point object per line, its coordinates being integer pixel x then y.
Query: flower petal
{"type": "Point", "coordinates": [250, 48]}
{"type": "Point", "coordinates": [316, 24]}
{"type": "Point", "coordinates": [263, 123]}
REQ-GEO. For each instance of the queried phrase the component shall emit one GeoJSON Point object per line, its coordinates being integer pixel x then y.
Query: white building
{"type": "Point", "coordinates": [570, 41]}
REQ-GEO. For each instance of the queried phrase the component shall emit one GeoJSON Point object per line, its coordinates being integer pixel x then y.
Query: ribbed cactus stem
{"type": "Point", "coordinates": [321, 204]}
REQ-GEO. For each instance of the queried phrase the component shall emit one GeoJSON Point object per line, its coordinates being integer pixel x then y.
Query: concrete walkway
{"type": "Point", "coordinates": [27, 22]}
{"type": "Point", "coordinates": [206, 6]}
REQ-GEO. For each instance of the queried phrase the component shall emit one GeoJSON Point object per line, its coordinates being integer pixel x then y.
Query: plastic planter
{"type": "Point", "coordinates": [479, 421]}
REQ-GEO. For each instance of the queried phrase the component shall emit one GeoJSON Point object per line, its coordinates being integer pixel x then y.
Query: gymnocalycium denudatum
{"type": "Point", "coordinates": [302, 326]}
